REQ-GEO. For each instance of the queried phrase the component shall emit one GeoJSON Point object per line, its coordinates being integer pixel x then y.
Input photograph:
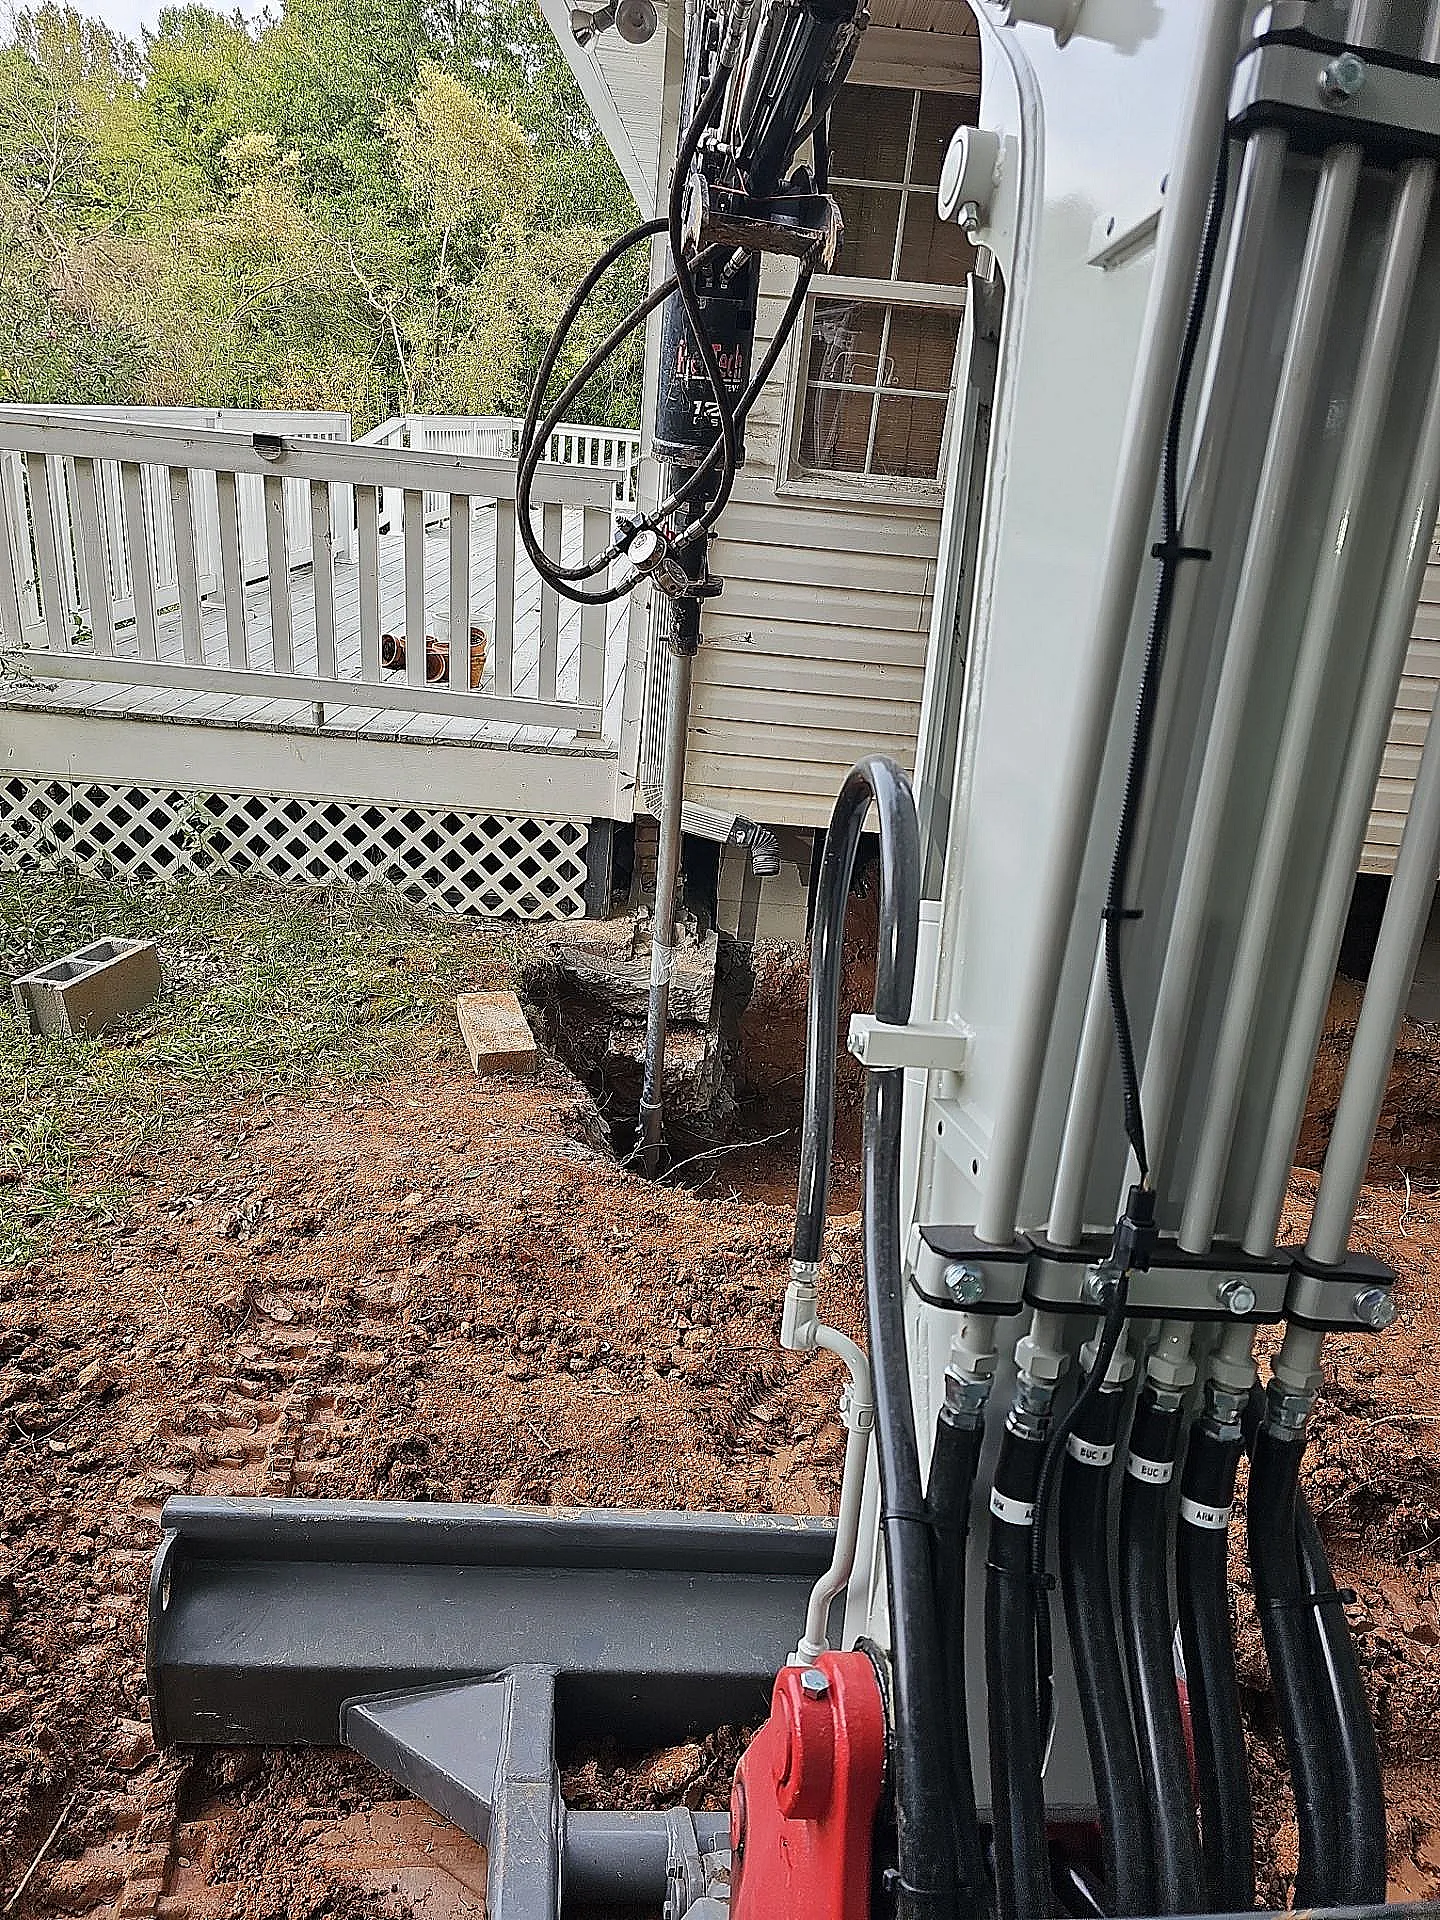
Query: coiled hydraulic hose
{"type": "Point", "coordinates": [1084, 1513]}
{"type": "Point", "coordinates": [1285, 1608]}
{"type": "Point", "coordinates": [1145, 1616]}
{"type": "Point", "coordinates": [959, 1435]}
{"type": "Point", "coordinates": [1350, 1730]}
{"type": "Point", "coordinates": [927, 1886]}
{"type": "Point", "coordinates": [1017, 1788]}
{"type": "Point", "coordinates": [1227, 1825]}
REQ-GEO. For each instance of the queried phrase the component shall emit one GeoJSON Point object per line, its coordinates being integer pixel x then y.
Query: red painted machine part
{"type": "Point", "coordinates": [806, 1790]}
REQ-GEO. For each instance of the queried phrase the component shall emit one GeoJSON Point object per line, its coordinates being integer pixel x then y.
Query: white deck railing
{"type": "Point", "coordinates": [494, 436]}
{"type": "Point", "coordinates": [120, 537]}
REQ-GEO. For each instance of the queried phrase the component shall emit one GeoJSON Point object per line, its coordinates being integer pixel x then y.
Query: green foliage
{"type": "Point", "coordinates": [377, 206]}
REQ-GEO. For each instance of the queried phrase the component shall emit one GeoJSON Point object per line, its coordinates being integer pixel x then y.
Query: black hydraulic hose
{"type": "Point", "coordinates": [1149, 1647]}
{"type": "Point", "coordinates": [1227, 1824]}
{"type": "Point", "coordinates": [1350, 1730]}
{"type": "Point", "coordinates": [1017, 1744]}
{"type": "Point", "coordinates": [959, 1436]}
{"type": "Point", "coordinates": [1284, 1606]}
{"type": "Point", "coordinates": [1084, 1504]}
{"type": "Point", "coordinates": [926, 1880]}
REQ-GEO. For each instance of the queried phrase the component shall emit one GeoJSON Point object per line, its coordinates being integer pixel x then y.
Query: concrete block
{"type": "Point", "coordinates": [496, 1033]}
{"type": "Point", "coordinates": [90, 989]}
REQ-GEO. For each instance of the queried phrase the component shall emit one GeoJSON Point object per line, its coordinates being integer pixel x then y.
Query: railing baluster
{"type": "Point", "coordinates": [593, 623]}
{"type": "Point", "coordinates": [322, 563]}
{"type": "Point", "coordinates": [502, 641]}
{"type": "Point", "coordinates": [414, 524]}
{"type": "Point", "coordinates": [232, 568]}
{"type": "Point", "coordinates": [93, 570]}
{"type": "Point", "coordinates": [54, 609]}
{"type": "Point", "coordinates": [187, 574]}
{"type": "Point", "coordinates": [141, 560]}
{"type": "Point", "coordinates": [460, 590]}
{"type": "Point", "coordinates": [277, 556]}
{"type": "Point", "coordinates": [367, 527]}
{"type": "Point", "coordinates": [12, 623]}
{"type": "Point", "coordinates": [552, 526]}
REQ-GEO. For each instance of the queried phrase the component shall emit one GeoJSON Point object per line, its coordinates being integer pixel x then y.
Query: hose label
{"type": "Point", "coordinates": [1196, 1514]}
{"type": "Point", "coordinates": [1015, 1513]}
{"type": "Point", "coordinates": [1090, 1453]}
{"type": "Point", "coordinates": [1154, 1473]}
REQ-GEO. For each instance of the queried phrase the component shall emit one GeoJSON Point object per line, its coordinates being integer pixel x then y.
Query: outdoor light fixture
{"type": "Point", "coordinates": [633, 20]}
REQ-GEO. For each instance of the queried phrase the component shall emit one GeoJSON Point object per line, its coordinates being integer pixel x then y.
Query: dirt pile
{"type": "Point", "coordinates": [1407, 1139]}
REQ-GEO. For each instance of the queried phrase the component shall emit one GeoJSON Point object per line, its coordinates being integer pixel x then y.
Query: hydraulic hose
{"type": "Point", "coordinates": [926, 1881]}
{"type": "Point", "coordinates": [1017, 1787]}
{"type": "Point", "coordinates": [1084, 1514]}
{"type": "Point", "coordinates": [1227, 1825]}
{"type": "Point", "coordinates": [1283, 1603]}
{"type": "Point", "coordinates": [1349, 1729]}
{"type": "Point", "coordinates": [959, 1435]}
{"type": "Point", "coordinates": [1149, 1638]}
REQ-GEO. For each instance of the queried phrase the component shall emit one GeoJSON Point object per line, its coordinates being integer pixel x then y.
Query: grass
{"type": "Point", "coordinates": [266, 990]}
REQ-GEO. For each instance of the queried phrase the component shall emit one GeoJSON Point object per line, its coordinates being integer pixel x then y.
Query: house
{"type": "Point", "coordinates": [237, 707]}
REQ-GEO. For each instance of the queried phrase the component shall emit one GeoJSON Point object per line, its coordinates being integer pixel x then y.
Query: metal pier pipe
{"type": "Point", "coordinates": [1262, 167]}
{"type": "Point", "coordinates": [1321, 633]}
{"type": "Point", "coordinates": [1394, 625]}
{"type": "Point", "coordinates": [1180, 231]}
{"type": "Point", "coordinates": [667, 883]}
{"type": "Point", "coordinates": [1412, 892]}
{"type": "Point", "coordinates": [1310, 324]}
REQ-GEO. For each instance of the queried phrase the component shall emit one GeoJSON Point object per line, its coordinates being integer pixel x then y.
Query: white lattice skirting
{"type": "Point", "coordinates": [493, 864]}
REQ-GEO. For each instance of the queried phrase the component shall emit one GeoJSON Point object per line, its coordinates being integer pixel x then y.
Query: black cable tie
{"type": "Point", "coordinates": [1170, 551]}
{"type": "Point", "coordinates": [1330, 1597]}
{"type": "Point", "coordinates": [1108, 914]}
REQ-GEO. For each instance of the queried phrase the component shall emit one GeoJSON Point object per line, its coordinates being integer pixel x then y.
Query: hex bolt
{"type": "Point", "coordinates": [1098, 1285]}
{"type": "Point", "coordinates": [814, 1682]}
{"type": "Point", "coordinates": [1236, 1296]}
{"type": "Point", "coordinates": [965, 1283]}
{"type": "Point", "coordinates": [1341, 79]}
{"type": "Point", "coordinates": [1373, 1307]}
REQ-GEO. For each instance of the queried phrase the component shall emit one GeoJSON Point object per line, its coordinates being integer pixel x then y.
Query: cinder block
{"type": "Point", "coordinates": [90, 989]}
{"type": "Point", "coordinates": [496, 1033]}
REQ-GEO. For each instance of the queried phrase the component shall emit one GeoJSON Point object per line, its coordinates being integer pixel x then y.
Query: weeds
{"type": "Point", "coordinates": [267, 989]}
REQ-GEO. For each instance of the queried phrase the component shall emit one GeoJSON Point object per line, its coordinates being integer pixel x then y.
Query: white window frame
{"type": "Point", "coordinates": [812, 483]}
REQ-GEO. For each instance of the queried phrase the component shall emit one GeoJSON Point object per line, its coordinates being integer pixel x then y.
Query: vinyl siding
{"type": "Point", "coordinates": [1407, 729]}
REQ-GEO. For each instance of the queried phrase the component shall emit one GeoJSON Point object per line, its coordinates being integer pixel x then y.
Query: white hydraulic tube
{"type": "Point", "coordinates": [1393, 627]}
{"type": "Point", "coordinates": [1314, 303]}
{"type": "Point", "coordinates": [802, 1330]}
{"type": "Point", "coordinates": [1390, 310]}
{"type": "Point", "coordinates": [1180, 230]}
{"type": "Point", "coordinates": [1250, 233]}
{"type": "Point", "coordinates": [1412, 892]}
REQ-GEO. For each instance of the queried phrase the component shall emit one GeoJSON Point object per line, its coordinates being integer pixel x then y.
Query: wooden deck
{"type": "Point", "coordinates": [362, 721]}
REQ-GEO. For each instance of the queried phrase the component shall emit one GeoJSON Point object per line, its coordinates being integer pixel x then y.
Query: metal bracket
{"type": "Point", "coordinates": [1176, 1286]}
{"type": "Point", "coordinates": [1322, 91]}
{"type": "Point", "coordinates": [1354, 1297]}
{"type": "Point", "coordinates": [951, 1268]}
{"type": "Point", "coordinates": [942, 1046]}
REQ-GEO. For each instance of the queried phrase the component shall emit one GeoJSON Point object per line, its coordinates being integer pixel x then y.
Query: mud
{"type": "Point", "coordinates": [447, 1289]}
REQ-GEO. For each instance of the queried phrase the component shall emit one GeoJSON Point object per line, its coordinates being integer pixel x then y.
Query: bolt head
{"type": "Point", "coordinates": [1237, 1297]}
{"type": "Point", "coordinates": [964, 1283]}
{"type": "Point", "coordinates": [1098, 1286]}
{"type": "Point", "coordinates": [814, 1682]}
{"type": "Point", "coordinates": [1341, 78]}
{"type": "Point", "coordinates": [1374, 1307]}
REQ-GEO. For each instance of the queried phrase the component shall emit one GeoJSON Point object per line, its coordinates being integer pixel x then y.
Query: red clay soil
{"type": "Point", "coordinates": [446, 1290]}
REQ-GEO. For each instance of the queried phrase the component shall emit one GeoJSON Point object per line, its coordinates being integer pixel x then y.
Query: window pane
{"type": "Point", "coordinates": [921, 350]}
{"type": "Point", "coordinates": [835, 431]}
{"type": "Point", "coordinates": [907, 438]}
{"type": "Point", "coordinates": [869, 133]}
{"type": "Point", "coordinates": [871, 216]}
{"type": "Point", "coordinates": [933, 249]}
{"type": "Point", "coordinates": [845, 342]}
{"type": "Point", "coordinates": [940, 115]}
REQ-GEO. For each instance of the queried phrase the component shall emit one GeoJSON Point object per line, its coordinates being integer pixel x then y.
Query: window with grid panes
{"type": "Point", "coordinates": [883, 327]}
